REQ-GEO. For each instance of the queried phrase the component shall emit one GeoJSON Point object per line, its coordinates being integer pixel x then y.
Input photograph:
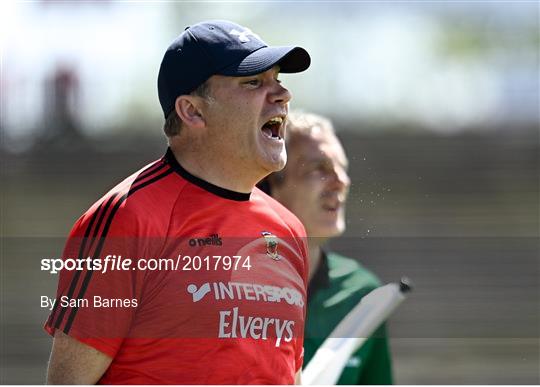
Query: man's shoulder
{"type": "Point", "coordinates": [282, 212]}
{"type": "Point", "coordinates": [145, 198]}
{"type": "Point", "coordinates": [350, 272]}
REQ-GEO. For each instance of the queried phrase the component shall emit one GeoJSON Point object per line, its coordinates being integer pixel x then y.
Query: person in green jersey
{"type": "Point", "coordinates": [314, 186]}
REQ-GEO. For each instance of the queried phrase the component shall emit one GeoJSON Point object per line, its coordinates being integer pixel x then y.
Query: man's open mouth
{"type": "Point", "coordinates": [273, 128]}
{"type": "Point", "coordinates": [332, 205]}
{"type": "Point", "coordinates": [329, 207]}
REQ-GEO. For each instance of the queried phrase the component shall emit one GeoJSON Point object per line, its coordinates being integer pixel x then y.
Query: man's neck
{"type": "Point", "coordinates": [213, 169]}
{"type": "Point", "coordinates": [315, 255]}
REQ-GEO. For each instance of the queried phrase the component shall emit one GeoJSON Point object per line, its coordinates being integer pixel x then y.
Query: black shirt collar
{"type": "Point", "coordinates": [222, 192]}
{"type": "Point", "coordinates": [321, 278]}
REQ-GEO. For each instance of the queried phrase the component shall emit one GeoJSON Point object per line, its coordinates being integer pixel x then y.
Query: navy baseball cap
{"type": "Point", "coordinates": [219, 47]}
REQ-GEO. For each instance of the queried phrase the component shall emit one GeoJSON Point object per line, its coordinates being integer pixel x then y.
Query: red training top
{"type": "Point", "coordinates": [184, 282]}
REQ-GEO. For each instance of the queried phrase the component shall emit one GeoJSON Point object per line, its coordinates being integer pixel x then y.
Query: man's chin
{"type": "Point", "coordinates": [329, 231]}
{"type": "Point", "coordinates": [275, 164]}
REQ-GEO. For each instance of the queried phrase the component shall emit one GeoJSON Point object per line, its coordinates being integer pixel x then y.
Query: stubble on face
{"type": "Point", "coordinates": [234, 118]}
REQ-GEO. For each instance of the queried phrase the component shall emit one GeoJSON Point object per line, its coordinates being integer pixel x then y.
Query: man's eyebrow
{"type": "Point", "coordinates": [322, 159]}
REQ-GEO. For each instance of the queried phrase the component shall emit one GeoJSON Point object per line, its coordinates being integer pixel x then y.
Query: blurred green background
{"type": "Point", "coordinates": [437, 104]}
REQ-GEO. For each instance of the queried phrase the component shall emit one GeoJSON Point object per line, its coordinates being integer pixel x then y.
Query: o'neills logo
{"type": "Point", "coordinates": [234, 325]}
{"type": "Point", "coordinates": [271, 245]}
{"type": "Point", "coordinates": [212, 240]}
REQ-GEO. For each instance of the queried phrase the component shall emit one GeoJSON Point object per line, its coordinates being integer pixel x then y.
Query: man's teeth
{"type": "Point", "coordinates": [271, 127]}
{"type": "Point", "coordinates": [275, 121]}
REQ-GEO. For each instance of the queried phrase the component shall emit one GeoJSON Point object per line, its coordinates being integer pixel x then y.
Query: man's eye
{"type": "Point", "coordinates": [315, 169]}
{"type": "Point", "coordinates": [253, 82]}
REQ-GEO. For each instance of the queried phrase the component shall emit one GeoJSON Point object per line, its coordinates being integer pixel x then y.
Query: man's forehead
{"type": "Point", "coordinates": [319, 146]}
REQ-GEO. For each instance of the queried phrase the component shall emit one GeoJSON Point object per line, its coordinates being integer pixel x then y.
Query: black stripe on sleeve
{"type": "Point", "coordinates": [150, 171]}
{"type": "Point", "coordinates": [97, 253]}
{"type": "Point", "coordinates": [147, 172]}
{"type": "Point", "coordinates": [134, 189]}
{"type": "Point", "coordinates": [75, 279]}
{"type": "Point", "coordinates": [81, 249]}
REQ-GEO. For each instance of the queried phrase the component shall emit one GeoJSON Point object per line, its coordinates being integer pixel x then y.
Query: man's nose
{"type": "Point", "coordinates": [340, 178]}
{"type": "Point", "coordinates": [280, 94]}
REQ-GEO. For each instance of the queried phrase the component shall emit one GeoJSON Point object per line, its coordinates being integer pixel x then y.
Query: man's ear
{"type": "Point", "coordinates": [188, 109]}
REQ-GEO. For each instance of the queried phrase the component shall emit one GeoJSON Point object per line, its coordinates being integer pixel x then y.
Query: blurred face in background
{"type": "Point", "coordinates": [315, 183]}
